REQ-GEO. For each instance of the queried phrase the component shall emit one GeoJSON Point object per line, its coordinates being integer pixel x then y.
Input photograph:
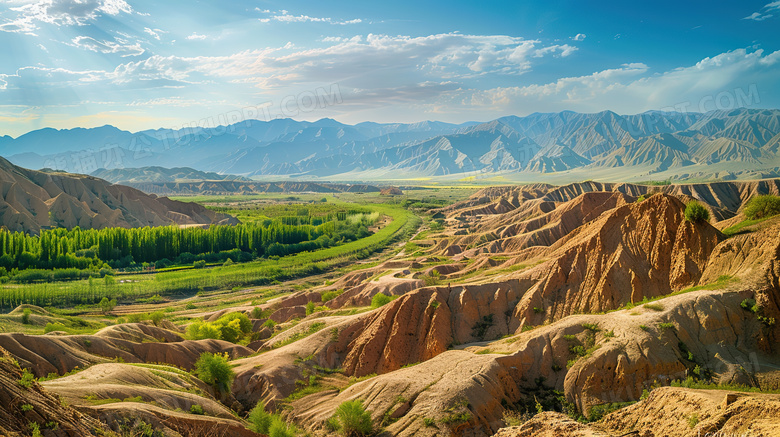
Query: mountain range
{"type": "Point", "coordinates": [733, 144]}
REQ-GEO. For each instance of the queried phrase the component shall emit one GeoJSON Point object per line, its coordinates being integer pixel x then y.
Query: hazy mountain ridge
{"type": "Point", "coordinates": [159, 174]}
{"type": "Point", "coordinates": [536, 144]}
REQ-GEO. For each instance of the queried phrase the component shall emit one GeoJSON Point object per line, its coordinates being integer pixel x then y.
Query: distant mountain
{"type": "Point", "coordinates": [737, 143]}
{"type": "Point", "coordinates": [32, 200]}
{"type": "Point", "coordinates": [160, 174]}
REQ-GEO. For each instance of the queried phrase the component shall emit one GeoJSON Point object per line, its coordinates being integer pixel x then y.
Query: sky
{"type": "Point", "coordinates": [140, 64]}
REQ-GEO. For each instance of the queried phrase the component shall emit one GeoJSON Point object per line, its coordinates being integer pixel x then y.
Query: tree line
{"type": "Point", "coordinates": [111, 248]}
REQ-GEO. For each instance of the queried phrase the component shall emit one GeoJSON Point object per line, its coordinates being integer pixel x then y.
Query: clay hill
{"type": "Point", "coordinates": [535, 311]}
{"type": "Point", "coordinates": [34, 200]}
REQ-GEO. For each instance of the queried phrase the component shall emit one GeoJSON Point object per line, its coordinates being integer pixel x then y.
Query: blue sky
{"type": "Point", "coordinates": [141, 64]}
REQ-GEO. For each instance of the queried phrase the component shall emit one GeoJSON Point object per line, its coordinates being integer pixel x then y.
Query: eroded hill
{"type": "Point", "coordinates": [32, 200]}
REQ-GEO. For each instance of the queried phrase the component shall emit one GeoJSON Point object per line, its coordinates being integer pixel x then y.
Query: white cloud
{"type": "Point", "coordinates": [763, 13]}
{"type": "Point", "coordinates": [119, 46]}
{"type": "Point", "coordinates": [578, 37]}
{"type": "Point", "coordinates": [757, 16]}
{"type": "Point", "coordinates": [196, 37]}
{"type": "Point", "coordinates": [62, 13]}
{"type": "Point", "coordinates": [629, 89]}
{"type": "Point", "coordinates": [154, 33]}
{"type": "Point", "coordinates": [360, 62]}
{"type": "Point", "coordinates": [285, 17]}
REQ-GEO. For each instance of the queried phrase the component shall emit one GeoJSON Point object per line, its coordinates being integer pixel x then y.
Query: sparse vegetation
{"type": "Point", "coordinates": [27, 379]}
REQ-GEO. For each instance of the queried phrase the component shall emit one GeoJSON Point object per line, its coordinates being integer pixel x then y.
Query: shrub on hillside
{"type": "Point", "coordinates": [353, 419]}
{"type": "Point", "coordinates": [259, 419]}
{"type": "Point", "coordinates": [215, 370]}
{"type": "Point", "coordinates": [695, 212]}
{"type": "Point", "coordinates": [231, 327]}
{"type": "Point", "coordinates": [762, 206]}
{"type": "Point", "coordinates": [381, 299]}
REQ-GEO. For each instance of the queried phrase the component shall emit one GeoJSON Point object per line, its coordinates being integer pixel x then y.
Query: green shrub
{"type": "Point", "coordinates": [259, 419]}
{"type": "Point", "coordinates": [310, 308]}
{"type": "Point", "coordinates": [750, 305]}
{"type": "Point", "coordinates": [762, 207]}
{"type": "Point", "coordinates": [199, 264]}
{"type": "Point", "coordinates": [107, 305]}
{"type": "Point", "coordinates": [329, 295]}
{"type": "Point", "coordinates": [26, 316]}
{"type": "Point", "coordinates": [157, 317]}
{"type": "Point", "coordinates": [203, 330]}
{"type": "Point", "coordinates": [269, 324]}
{"type": "Point", "coordinates": [27, 379]}
{"type": "Point", "coordinates": [51, 327]}
{"type": "Point", "coordinates": [332, 424]}
{"type": "Point", "coordinates": [231, 327]}
{"type": "Point", "coordinates": [280, 428]}
{"type": "Point", "coordinates": [355, 421]}
{"type": "Point", "coordinates": [695, 212]}
{"type": "Point", "coordinates": [215, 370]}
{"type": "Point", "coordinates": [190, 306]}
{"type": "Point", "coordinates": [381, 299]}
{"type": "Point", "coordinates": [196, 409]}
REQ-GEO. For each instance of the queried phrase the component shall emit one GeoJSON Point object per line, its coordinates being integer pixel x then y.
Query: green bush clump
{"type": "Point", "coordinates": [762, 207]}
{"type": "Point", "coordinates": [695, 212]}
{"type": "Point", "coordinates": [259, 419]}
{"type": "Point", "coordinates": [381, 299]}
{"type": "Point", "coordinates": [353, 419]}
{"type": "Point", "coordinates": [215, 370]}
{"type": "Point", "coordinates": [231, 327]}
{"type": "Point", "coordinates": [26, 316]}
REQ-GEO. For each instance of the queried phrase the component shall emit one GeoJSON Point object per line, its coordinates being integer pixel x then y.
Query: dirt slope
{"type": "Point", "coordinates": [21, 406]}
{"type": "Point", "coordinates": [44, 354]}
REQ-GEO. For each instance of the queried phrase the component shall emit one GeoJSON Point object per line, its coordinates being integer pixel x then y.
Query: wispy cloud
{"type": "Point", "coordinates": [764, 13]}
{"type": "Point", "coordinates": [578, 37]}
{"type": "Point", "coordinates": [154, 33]}
{"type": "Point", "coordinates": [118, 46]}
{"type": "Point", "coordinates": [195, 36]}
{"type": "Point", "coordinates": [285, 17]}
